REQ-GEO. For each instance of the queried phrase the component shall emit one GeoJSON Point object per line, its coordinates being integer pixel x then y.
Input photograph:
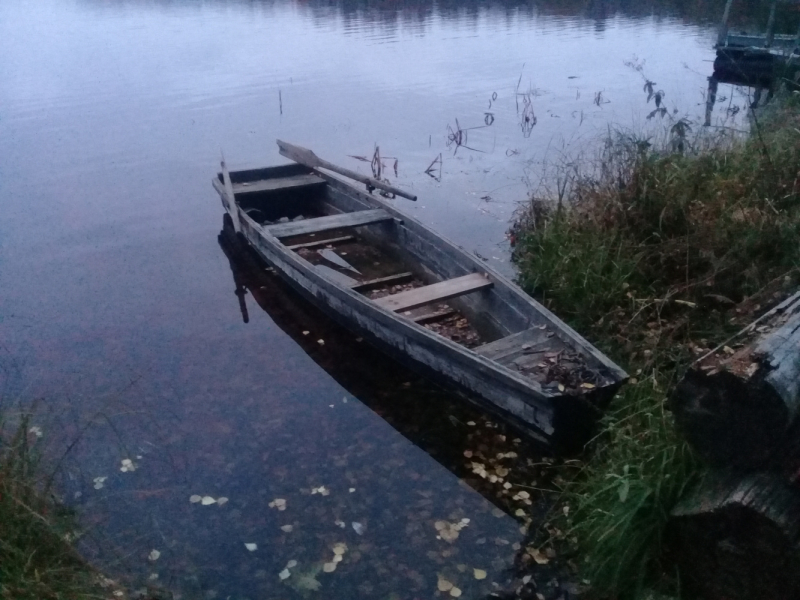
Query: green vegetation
{"type": "Point", "coordinates": [37, 560]}
{"type": "Point", "coordinates": [655, 255]}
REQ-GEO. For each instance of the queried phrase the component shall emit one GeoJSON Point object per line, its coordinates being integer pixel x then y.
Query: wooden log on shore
{"type": "Point", "coordinates": [739, 406]}
{"type": "Point", "coordinates": [738, 538]}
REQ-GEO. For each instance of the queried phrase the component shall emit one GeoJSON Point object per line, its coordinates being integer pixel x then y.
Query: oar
{"type": "Point", "coordinates": [306, 157]}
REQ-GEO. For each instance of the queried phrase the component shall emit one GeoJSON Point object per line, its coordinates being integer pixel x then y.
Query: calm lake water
{"type": "Point", "coordinates": [117, 304]}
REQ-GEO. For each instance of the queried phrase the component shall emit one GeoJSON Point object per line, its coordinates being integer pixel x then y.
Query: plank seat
{"type": "Point", "coordinates": [278, 183]}
{"type": "Point", "coordinates": [513, 348]}
{"type": "Point", "coordinates": [318, 224]}
{"type": "Point", "coordinates": [437, 292]}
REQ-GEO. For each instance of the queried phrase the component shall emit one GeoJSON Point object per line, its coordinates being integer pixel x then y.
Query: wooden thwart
{"type": "Point", "coordinates": [281, 183]}
{"type": "Point", "coordinates": [437, 292]}
{"type": "Point", "coordinates": [328, 242]}
{"type": "Point", "coordinates": [353, 219]}
{"type": "Point", "coordinates": [380, 281]}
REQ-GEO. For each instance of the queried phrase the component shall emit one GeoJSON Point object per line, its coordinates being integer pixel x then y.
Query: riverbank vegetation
{"type": "Point", "coordinates": [37, 558]}
{"type": "Point", "coordinates": [656, 251]}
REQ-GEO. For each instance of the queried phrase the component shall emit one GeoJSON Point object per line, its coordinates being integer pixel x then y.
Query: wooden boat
{"type": "Point", "coordinates": [420, 297]}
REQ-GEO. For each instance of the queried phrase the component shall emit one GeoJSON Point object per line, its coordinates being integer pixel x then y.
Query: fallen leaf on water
{"type": "Point", "coordinates": [154, 554]}
{"type": "Point", "coordinates": [340, 548]}
{"type": "Point", "coordinates": [337, 558]}
{"type": "Point", "coordinates": [287, 528]}
{"type": "Point", "coordinates": [99, 482]}
{"type": "Point", "coordinates": [468, 453]}
{"type": "Point", "coordinates": [250, 546]}
{"type": "Point", "coordinates": [329, 567]}
{"type": "Point", "coordinates": [358, 528]}
{"type": "Point", "coordinates": [443, 585]}
{"type": "Point", "coordinates": [351, 490]}
{"type": "Point", "coordinates": [339, 523]}
{"type": "Point", "coordinates": [519, 513]}
{"type": "Point", "coordinates": [306, 332]}
{"type": "Point", "coordinates": [455, 592]}
{"type": "Point", "coordinates": [278, 503]}
{"type": "Point", "coordinates": [561, 387]}
{"type": "Point", "coordinates": [479, 573]}
{"type": "Point", "coordinates": [291, 564]}
{"type": "Point", "coordinates": [221, 501]}
{"type": "Point", "coordinates": [127, 465]}
{"type": "Point", "coordinates": [194, 498]}
{"type": "Point", "coordinates": [206, 500]}
{"type": "Point", "coordinates": [588, 386]}
{"type": "Point", "coordinates": [321, 342]}
{"type": "Point", "coordinates": [284, 574]}
{"type": "Point", "coordinates": [540, 558]}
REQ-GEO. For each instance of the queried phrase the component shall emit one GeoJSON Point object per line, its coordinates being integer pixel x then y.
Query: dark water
{"type": "Point", "coordinates": [117, 303]}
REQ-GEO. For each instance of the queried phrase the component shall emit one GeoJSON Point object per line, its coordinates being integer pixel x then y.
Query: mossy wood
{"type": "Point", "coordinates": [422, 299]}
{"type": "Point", "coordinates": [737, 537]}
{"type": "Point", "coordinates": [739, 406]}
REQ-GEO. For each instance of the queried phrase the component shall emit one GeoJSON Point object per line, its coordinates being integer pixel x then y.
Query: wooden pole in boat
{"type": "Point", "coordinates": [722, 36]}
{"type": "Point", "coordinates": [230, 199]}
{"type": "Point", "coordinates": [306, 157]}
{"type": "Point", "coordinates": [771, 24]}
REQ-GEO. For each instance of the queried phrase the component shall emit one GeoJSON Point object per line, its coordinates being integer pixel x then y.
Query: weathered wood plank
{"type": "Point", "coordinates": [514, 344]}
{"type": "Point", "coordinates": [354, 219]}
{"type": "Point", "coordinates": [280, 183]}
{"type": "Point", "coordinates": [370, 284]}
{"type": "Point", "coordinates": [437, 292]}
{"type": "Point", "coordinates": [317, 243]}
{"type": "Point", "coordinates": [335, 275]}
{"type": "Point", "coordinates": [229, 198]}
{"type": "Point", "coordinates": [432, 317]}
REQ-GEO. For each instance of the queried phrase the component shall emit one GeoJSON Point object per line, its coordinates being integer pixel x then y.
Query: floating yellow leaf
{"type": "Point", "coordinates": [154, 554]}
{"type": "Point", "coordinates": [455, 592]}
{"type": "Point", "coordinates": [561, 387]}
{"type": "Point", "coordinates": [340, 548]}
{"type": "Point", "coordinates": [443, 585]}
{"type": "Point", "coordinates": [329, 567]}
{"type": "Point", "coordinates": [194, 498]}
{"type": "Point", "coordinates": [337, 558]}
{"type": "Point", "coordinates": [251, 547]}
{"type": "Point", "coordinates": [287, 528]}
{"type": "Point", "coordinates": [206, 500]}
{"type": "Point", "coordinates": [519, 513]}
{"type": "Point", "coordinates": [221, 501]}
{"type": "Point", "coordinates": [479, 573]}
{"type": "Point", "coordinates": [284, 574]}
{"type": "Point", "coordinates": [588, 386]}
{"type": "Point", "coordinates": [540, 558]}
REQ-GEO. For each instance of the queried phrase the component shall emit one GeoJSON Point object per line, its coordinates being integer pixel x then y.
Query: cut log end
{"type": "Point", "coordinates": [729, 420]}
{"type": "Point", "coordinates": [737, 538]}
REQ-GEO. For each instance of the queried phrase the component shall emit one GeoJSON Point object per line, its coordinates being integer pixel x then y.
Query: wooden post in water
{"type": "Point", "coordinates": [711, 98]}
{"type": "Point", "coordinates": [230, 198]}
{"type": "Point", "coordinates": [771, 24]}
{"type": "Point", "coordinates": [722, 37]}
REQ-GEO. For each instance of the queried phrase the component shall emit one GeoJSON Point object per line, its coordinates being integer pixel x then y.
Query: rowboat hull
{"type": "Point", "coordinates": [563, 420]}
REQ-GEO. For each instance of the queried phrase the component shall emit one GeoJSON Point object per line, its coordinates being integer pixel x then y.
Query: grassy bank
{"type": "Point", "coordinates": [37, 559]}
{"type": "Point", "coordinates": [656, 251]}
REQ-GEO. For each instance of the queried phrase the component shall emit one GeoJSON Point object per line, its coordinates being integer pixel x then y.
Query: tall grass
{"type": "Point", "coordinates": [650, 251]}
{"type": "Point", "coordinates": [37, 559]}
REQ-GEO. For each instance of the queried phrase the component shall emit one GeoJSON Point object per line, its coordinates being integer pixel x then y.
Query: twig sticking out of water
{"type": "Point", "coordinates": [528, 117]}
{"type": "Point", "coordinates": [431, 170]}
{"type": "Point", "coordinates": [458, 136]}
